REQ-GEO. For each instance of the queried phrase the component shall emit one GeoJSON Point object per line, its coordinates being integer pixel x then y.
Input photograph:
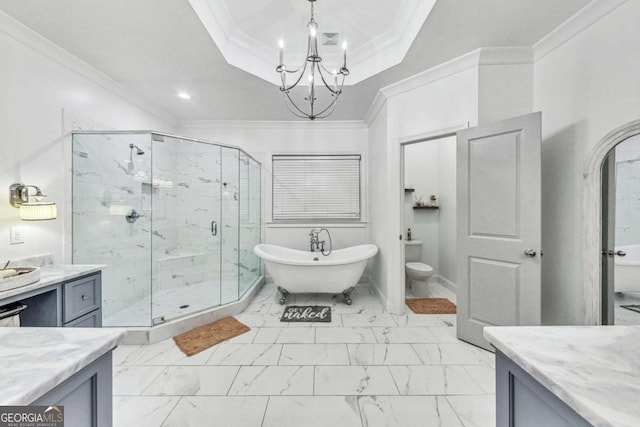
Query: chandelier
{"type": "Point", "coordinates": [312, 67]}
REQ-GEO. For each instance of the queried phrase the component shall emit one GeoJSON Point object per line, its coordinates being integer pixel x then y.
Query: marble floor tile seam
{"type": "Point", "coordinates": [169, 413]}
{"type": "Point", "coordinates": [264, 414]}
{"type": "Point", "coordinates": [151, 384]}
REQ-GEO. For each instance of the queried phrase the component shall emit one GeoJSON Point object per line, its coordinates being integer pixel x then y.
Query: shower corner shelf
{"type": "Point", "coordinates": [427, 207]}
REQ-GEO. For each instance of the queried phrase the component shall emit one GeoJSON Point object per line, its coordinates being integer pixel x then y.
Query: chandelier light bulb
{"type": "Point", "coordinates": [313, 31]}
{"type": "Point", "coordinates": [281, 44]}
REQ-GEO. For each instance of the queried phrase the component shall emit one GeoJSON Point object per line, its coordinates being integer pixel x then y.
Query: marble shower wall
{"type": "Point", "coordinates": [628, 192]}
{"type": "Point", "coordinates": [172, 245]}
{"type": "Point", "coordinates": [108, 179]}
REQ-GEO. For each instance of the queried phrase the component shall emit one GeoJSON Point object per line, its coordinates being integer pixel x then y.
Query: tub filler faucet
{"type": "Point", "coordinates": [315, 243]}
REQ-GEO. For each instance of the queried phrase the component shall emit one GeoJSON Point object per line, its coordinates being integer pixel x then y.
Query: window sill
{"type": "Point", "coordinates": [278, 224]}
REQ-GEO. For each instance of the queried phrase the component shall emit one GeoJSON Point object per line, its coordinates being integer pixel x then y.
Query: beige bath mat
{"type": "Point", "coordinates": [201, 338]}
{"type": "Point", "coordinates": [431, 306]}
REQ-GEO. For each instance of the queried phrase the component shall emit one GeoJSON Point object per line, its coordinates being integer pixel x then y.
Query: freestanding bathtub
{"type": "Point", "coordinates": [295, 271]}
{"type": "Point", "coordinates": [627, 269]}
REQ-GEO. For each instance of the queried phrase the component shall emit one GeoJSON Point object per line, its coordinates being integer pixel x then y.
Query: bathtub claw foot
{"type": "Point", "coordinates": [347, 296]}
{"type": "Point", "coordinates": [283, 295]}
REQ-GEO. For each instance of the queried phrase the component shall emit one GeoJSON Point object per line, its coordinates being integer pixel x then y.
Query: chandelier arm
{"type": "Point", "coordinates": [304, 68]}
{"type": "Point", "coordinates": [334, 92]}
{"type": "Point", "coordinates": [332, 106]}
{"type": "Point", "coordinates": [337, 73]}
{"type": "Point", "coordinates": [291, 103]}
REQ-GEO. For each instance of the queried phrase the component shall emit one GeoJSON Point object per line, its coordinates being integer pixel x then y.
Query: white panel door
{"type": "Point", "coordinates": [498, 226]}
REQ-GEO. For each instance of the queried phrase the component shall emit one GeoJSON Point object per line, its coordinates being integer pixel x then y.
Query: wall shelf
{"type": "Point", "coordinates": [426, 207]}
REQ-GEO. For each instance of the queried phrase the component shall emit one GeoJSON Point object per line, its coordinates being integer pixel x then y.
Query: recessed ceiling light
{"type": "Point", "coordinates": [184, 95]}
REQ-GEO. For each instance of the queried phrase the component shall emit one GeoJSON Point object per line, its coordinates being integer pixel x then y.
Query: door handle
{"type": "Point", "coordinates": [214, 228]}
{"type": "Point", "coordinates": [530, 252]}
{"type": "Point", "coordinates": [611, 253]}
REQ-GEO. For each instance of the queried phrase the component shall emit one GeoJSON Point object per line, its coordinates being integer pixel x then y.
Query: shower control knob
{"type": "Point", "coordinates": [530, 252]}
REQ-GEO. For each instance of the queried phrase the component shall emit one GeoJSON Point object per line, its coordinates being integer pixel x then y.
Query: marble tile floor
{"type": "Point", "coordinates": [366, 368]}
{"type": "Point", "coordinates": [623, 316]}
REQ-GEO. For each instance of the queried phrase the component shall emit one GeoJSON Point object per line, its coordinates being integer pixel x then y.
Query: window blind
{"type": "Point", "coordinates": [316, 187]}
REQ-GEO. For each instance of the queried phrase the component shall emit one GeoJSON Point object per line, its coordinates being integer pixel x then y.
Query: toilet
{"type": "Point", "coordinates": [417, 273]}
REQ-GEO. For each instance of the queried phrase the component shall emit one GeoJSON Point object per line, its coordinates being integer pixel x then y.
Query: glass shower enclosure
{"type": "Point", "coordinates": [174, 219]}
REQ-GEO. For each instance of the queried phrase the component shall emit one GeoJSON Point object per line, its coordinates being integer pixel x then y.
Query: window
{"type": "Point", "coordinates": [316, 187]}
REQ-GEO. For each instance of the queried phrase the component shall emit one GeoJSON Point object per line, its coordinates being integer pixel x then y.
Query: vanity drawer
{"type": "Point", "coordinates": [91, 320]}
{"type": "Point", "coordinates": [81, 296]}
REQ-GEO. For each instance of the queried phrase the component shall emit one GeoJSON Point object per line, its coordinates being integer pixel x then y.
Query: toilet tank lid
{"type": "Point", "coordinates": [413, 242]}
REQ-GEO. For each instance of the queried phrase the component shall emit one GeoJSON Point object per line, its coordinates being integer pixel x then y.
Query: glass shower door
{"type": "Point", "coordinates": [249, 265]}
{"type": "Point", "coordinates": [230, 223]}
{"type": "Point", "coordinates": [186, 198]}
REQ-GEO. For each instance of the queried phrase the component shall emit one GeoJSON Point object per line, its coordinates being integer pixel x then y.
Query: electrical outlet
{"type": "Point", "coordinates": [17, 235]}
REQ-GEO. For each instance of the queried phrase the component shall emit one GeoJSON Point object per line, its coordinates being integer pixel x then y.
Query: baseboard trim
{"type": "Point", "coordinates": [447, 283]}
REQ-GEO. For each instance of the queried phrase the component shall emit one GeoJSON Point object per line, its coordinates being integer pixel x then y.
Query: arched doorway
{"type": "Point", "coordinates": [599, 233]}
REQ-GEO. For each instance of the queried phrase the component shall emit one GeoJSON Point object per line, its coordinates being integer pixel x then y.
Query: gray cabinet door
{"type": "Point", "coordinates": [86, 396]}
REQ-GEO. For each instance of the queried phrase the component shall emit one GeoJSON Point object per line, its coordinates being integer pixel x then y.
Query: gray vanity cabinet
{"type": "Point", "coordinates": [86, 396]}
{"type": "Point", "coordinates": [522, 401]}
{"type": "Point", "coordinates": [74, 302]}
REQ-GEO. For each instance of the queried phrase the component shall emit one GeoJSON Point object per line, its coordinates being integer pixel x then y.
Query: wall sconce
{"type": "Point", "coordinates": [19, 197]}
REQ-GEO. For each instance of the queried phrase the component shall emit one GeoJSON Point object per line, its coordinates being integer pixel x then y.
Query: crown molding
{"type": "Point", "coordinates": [389, 49]}
{"type": "Point", "coordinates": [446, 69]}
{"type": "Point", "coordinates": [236, 47]}
{"type": "Point", "coordinates": [513, 55]}
{"type": "Point", "coordinates": [254, 56]}
{"type": "Point", "coordinates": [269, 124]}
{"type": "Point", "coordinates": [583, 19]}
{"type": "Point", "coordinates": [26, 36]}
{"type": "Point", "coordinates": [479, 57]}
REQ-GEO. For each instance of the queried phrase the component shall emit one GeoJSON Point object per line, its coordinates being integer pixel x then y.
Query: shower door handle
{"type": "Point", "coordinates": [611, 253]}
{"type": "Point", "coordinates": [214, 228]}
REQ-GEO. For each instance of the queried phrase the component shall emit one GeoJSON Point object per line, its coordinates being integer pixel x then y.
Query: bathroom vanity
{"type": "Point", "coordinates": [70, 367]}
{"type": "Point", "coordinates": [65, 296]}
{"type": "Point", "coordinates": [567, 375]}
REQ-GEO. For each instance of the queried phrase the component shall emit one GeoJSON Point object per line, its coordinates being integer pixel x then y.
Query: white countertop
{"type": "Point", "coordinates": [593, 369]}
{"type": "Point", "coordinates": [35, 360]}
{"type": "Point", "coordinates": [52, 274]}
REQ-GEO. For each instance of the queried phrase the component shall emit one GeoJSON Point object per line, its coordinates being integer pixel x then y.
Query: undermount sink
{"type": "Point", "coordinates": [25, 276]}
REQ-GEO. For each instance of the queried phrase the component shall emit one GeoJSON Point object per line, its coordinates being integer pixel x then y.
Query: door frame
{"type": "Point", "coordinates": [592, 214]}
{"type": "Point", "coordinates": [414, 139]}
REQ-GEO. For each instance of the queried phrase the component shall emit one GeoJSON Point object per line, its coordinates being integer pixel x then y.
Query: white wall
{"type": "Point", "coordinates": [44, 91]}
{"type": "Point", "coordinates": [263, 139]}
{"type": "Point", "coordinates": [585, 88]}
{"type": "Point", "coordinates": [447, 228]}
{"type": "Point", "coordinates": [441, 102]}
{"type": "Point", "coordinates": [378, 180]}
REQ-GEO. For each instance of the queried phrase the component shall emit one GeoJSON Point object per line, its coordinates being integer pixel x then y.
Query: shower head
{"type": "Point", "coordinates": [139, 151]}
